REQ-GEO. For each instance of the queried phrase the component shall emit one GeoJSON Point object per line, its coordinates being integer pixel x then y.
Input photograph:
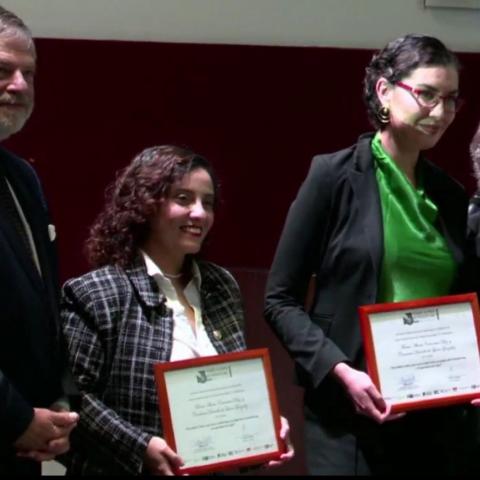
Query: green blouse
{"type": "Point", "coordinates": [417, 262]}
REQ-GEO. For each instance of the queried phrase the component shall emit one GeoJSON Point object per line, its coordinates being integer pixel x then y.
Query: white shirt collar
{"type": "Point", "coordinates": [155, 271]}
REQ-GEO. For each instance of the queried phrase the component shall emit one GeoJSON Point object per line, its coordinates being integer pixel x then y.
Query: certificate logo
{"type": "Point", "coordinates": [421, 315]}
{"type": "Point", "coordinates": [202, 376]}
{"type": "Point", "coordinates": [213, 373]}
{"type": "Point", "coordinates": [408, 319]}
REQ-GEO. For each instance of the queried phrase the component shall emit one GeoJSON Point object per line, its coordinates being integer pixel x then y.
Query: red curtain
{"type": "Point", "coordinates": [258, 113]}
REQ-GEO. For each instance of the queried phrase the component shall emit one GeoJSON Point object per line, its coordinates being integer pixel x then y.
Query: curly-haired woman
{"type": "Point", "coordinates": [150, 299]}
{"type": "Point", "coordinates": [375, 222]}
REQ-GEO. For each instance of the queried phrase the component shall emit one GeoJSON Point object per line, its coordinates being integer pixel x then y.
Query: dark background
{"type": "Point", "coordinates": [257, 113]}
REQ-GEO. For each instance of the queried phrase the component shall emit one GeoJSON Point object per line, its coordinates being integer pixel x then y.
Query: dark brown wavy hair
{"type": "Point", "coordinates": [397, 60]}
{"type": "Point", "coordinates": [123, 225]}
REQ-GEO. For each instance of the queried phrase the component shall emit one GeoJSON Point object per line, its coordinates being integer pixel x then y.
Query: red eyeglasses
{"type": "Point", "coordinates": [429, 98]}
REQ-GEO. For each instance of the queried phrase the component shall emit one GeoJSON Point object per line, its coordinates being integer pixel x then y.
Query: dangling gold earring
{"type": "Point", "coordinates": [383, 115]}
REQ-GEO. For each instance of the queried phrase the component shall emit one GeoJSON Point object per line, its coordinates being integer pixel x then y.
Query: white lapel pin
{"type": "Point", "coordinates": [52, 233]}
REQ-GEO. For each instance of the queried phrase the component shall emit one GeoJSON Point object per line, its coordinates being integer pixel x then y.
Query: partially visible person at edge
{"type": "Point", "coordinates": [34, 425]}
{"type": "Point", "coordinates": [474, 207]}
{"type": "Point", "coordinates": [375, 222]}
{"type": "Point", "coordinates": [150, 299]}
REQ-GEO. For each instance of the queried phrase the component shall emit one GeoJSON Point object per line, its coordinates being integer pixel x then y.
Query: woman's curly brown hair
{"type": "Point", "coordinates": [123, 225]}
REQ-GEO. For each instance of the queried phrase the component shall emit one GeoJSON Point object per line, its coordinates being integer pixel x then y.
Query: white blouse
{"type": "Point", "coordinates": [187, 343]}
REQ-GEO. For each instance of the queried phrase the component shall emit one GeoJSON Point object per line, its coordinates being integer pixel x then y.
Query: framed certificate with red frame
{"type": "Point", "coordinates": [220, 412]}
{"type": "Point", "coordinates": [424, 353]}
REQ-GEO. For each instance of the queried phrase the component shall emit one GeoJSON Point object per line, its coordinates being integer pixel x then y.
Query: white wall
{"type": "Point", "coordinates": [343, 23]}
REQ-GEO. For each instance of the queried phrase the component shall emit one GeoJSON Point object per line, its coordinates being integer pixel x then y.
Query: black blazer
{"type": "Point", "coordinates": [334, 231]}
{"type": "Point", "coordinates": [30, 357]}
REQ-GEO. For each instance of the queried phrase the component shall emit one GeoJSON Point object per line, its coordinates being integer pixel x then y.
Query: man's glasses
{"type": "Point", "coordinates": [428, 98]}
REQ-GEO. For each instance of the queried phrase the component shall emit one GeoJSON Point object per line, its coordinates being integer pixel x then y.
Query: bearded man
{"type": "Point", "coordinates": [34, 419]}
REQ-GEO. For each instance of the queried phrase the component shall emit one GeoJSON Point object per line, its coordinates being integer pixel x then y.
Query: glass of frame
{"type": "Point", "coordinates": [220, 412]}
{"type": "Point", "coordinates": [423, 353]}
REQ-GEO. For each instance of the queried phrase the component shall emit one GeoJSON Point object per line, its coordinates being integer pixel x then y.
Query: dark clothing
{"type": "Point", "coordinates": [334, 231]}
{"type": "Point", "coordinates": [30, 354]}
{"type": "Point", "coordinates": [20, 468]}
{"type": "Point", "coordinates": [474, 221]}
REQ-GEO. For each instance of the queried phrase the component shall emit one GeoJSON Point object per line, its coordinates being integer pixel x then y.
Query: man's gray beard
{"type": "Point", "coordinates": [9, 128]}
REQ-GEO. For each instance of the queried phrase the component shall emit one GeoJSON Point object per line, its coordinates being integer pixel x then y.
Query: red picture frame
{"type": "Point", "coordinates": [433, 397]}
{"type": "Point", "coordinates": [161, 371]}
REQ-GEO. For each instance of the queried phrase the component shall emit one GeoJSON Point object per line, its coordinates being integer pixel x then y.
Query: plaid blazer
{"type": "Point", "coordinates": [117, 326]}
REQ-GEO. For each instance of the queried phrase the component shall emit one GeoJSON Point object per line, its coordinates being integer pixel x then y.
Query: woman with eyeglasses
{"type": "Point", "coordinates": [149, 299]}
{"type": "Point", "coordinates": [375, 223]}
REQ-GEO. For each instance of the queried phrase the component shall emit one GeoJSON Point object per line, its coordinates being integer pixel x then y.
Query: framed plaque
{"type": "Point", "coordinates": [424, 353]}
{"type": "Point", "coordinates": [220, 412]}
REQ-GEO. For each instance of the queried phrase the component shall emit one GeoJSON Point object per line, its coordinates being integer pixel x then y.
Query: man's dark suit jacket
{"type": "Point", "coordinates": [334, 231]}
{"type": "Point", "coordinates": [30, 357]}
